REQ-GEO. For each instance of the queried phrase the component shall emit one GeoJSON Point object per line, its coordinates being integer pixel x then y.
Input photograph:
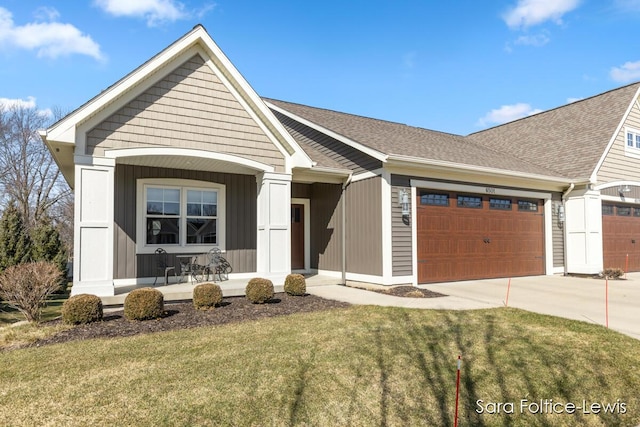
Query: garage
{"type": "Point", "coordinates": [474, 236]}
{"type": "Point", "coordinates": [621, 236]}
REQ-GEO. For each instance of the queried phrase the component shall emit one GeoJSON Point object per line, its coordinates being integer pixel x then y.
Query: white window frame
{"type": "Point", "coordinates": [183, 184]}
{"type": "Point", "coordinates": [635, 150]}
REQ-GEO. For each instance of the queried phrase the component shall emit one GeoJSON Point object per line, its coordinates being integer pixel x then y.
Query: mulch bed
{"type": "Point", "coordinates": [183, 316]}
{"type": "Point", "coordinates": [410, 292]}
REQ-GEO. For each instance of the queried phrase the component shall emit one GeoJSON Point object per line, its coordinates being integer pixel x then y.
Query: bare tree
{"type": "Point", "coordinates": [28, 173]}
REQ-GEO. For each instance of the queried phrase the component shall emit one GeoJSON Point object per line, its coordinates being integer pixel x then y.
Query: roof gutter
{"type": "Point", "coordinates": [344, 228]}
{"type": "Point", "coordinates": [421, 162]}
{"type": "Point", "coordinates": [564, 227]}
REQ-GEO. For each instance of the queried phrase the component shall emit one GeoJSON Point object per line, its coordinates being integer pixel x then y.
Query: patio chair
{"type": "Point", "coordinates": [218, 265]}
{"type": "Point", "coordinates": [163, 266]}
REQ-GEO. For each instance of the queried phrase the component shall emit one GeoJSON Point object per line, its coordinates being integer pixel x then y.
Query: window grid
{"type": "Point", "coordinates": [527, 206]}
{"type": "Point", "coordinates": [470, 202]}
{"type": "Point", "coordinates": [623, 210]}
{"type": "Point", "coordinates": [500, 204]}
{"type": "Point", "coordinates": [434, 199]}
{"type": "Point", "coordinates": [607, 209]}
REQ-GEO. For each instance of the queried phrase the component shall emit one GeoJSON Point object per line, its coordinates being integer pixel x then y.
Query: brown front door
{"type": "Point", "coordinates": [471, 236]}
{"type": "Point", "coordinates": [621, 236]}
{"type": "Point", "coordinates": [297, 237]}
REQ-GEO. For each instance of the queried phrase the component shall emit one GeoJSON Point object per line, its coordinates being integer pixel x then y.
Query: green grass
{"type": "Point", "coordinates": [359, 366]}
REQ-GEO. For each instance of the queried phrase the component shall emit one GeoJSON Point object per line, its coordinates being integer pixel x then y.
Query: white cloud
{"type": "Point", "coordinates": [154, 11]}
{"type": "Point", "coordinates": [30, 102]}
{"type": "Point", "coordinates": [507, 113]}
{"type": "Point", "coordinates": [572, 100]}
{"type": "Point", "coordinates": [528, 13]}
{"type": "Point", "coordinates": [629, 71]}
{"type": "Point", "coordinates": [50, 39]}
{"type": "Point", "coordinates": [536, 40]}
{"type": "Point", "coordinates": [628, 5]}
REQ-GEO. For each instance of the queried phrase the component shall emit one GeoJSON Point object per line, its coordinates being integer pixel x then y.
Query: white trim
{"type": "Point", "coordinates": [620, 199]}
{"type": "Point", "coordinates": [433, 185]}
{"type": "Point", "coordinates": [367, 278]}
{"type": "Point", "coordinates": [633, 152]}
{"type": "Point", "coordinates": [400, 160]}
{"type": "Point", "coordinates": [366, 175]}
{"type": "Point", "coordinates": [548, 236]}
{"type": "Point", "coordinates": [186, 152]}
{"type": "Point", "coordinates": [183, 184]}
{"type": "Point", "coordinates": [414, 234]}
{"type": "Point", "coordinates": [615, 184]}
{"type": "Point", "coordinates": [351, 143]}
{"type": "Point", "coordinates": [386, 226]}
{"type": "Point", "coordinates": [594, 174]}
{"type": "Point", "coordinates": [307, 231]}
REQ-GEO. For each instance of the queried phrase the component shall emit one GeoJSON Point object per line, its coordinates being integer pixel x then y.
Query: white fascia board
{"type": "Point", "coordinates": [186, 152]}
{"type": "Point", "coordinates": [634, 101]}
{"type": "Point", "coordinates": [64, 130]}
{"type": "Point", "coordinates": [353, 144]}
{"type": "Point", "coordinates": [399, 161]}
{"type": "Point", "coordinates": [477, 189]}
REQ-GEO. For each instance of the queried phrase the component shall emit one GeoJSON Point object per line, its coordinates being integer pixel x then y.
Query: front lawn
{"type": "Point", "coordinates": [354, 366]}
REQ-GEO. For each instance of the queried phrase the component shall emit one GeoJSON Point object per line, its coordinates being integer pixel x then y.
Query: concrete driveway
{"type": "Point", "coordinates": [570, 297]}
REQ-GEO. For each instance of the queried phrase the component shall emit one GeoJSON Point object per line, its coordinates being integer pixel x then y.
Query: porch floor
{"type": "Point", "coordinates": [184, 291]}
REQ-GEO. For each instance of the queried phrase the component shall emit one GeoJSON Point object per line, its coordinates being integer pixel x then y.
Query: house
{"type": "Point", "coordinates": [183, 154]}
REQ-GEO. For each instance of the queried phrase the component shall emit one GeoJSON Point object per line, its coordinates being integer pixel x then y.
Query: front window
{"type": "Point", "coordinates": [632, 143]}
{"type": "Point", "coordinates": [180, 214]}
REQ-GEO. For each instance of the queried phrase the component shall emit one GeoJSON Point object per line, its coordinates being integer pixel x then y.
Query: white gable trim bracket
{"type": "Point", "coordinates": [351, 143]}
{"type": "Point", "coordinates": [187, 152]}
{"type": "Point", "coordinates": [634, 101]}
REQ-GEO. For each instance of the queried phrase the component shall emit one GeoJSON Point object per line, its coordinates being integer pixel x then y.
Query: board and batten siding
{"type": "Point", "coordinates": [326, 227]}
{"type": "Point", "coordinates": [631, 197]}
{"type": "Point", "coordinates": [364, 226]}
{"type": "Point", "coordinates": [189, 108]}
{"type": "Point", "coordinates": [617, 165]}
{"type": "Point", "coordinates": [241, 214]}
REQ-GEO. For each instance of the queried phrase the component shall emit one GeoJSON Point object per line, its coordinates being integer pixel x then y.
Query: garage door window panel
{"type": "Point", "coordinates": [500, 204]}
{"type": "Point", "coordinates": [434, 199]}
{"type": "Point", "coordinates": [527, 206]}
{"type": "Point", "coordinates": [470, 202]}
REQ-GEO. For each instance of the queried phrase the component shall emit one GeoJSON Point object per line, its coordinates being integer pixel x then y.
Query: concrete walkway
{"type": "Point", "coordinates": [574, 298]}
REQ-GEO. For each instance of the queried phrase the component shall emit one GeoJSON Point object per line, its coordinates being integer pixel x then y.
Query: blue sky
{"type": "Point", "coordinates": [454, 66]}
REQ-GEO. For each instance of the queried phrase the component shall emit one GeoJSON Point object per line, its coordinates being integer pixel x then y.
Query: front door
{"type": "Point", "coordinates": [297, 237]}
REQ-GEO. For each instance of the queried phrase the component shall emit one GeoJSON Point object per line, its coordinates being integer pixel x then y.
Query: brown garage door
{"type": "Point", "coordinates": [467, 236]}
{"type": "Point", "coordinates": [621, 236]}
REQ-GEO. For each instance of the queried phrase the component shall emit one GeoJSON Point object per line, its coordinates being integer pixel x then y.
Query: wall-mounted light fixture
{"type": "Point", "coordinates": [624, 189]}
{"type": "Point", "coordinates": [404, 202]}
{"type": "Point", "coordinates": [560, 213]}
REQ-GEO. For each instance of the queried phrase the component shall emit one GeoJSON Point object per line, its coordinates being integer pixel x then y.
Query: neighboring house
{"type": "Point", "coordinates": [183, 154]}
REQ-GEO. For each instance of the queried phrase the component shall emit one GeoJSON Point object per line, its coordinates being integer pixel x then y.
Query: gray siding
{"type": "Point", "coordinates": [189, 108]}
{"type": "Point", "coordinates": [616, 165]}
{"type": "Point", "coordinates": [364, 227]}
{"type": "Point", "coordinates": [300, 191]}
{"type": "Point", "coordinates": [326, 227]}
{"type": "Point", "coordinates": [240, 230]}
{"type": "Point", "coordinates": [631, 196]}
{"type": "Point", "coordinates": [401, 236]}
{"type": "Point", "coordinates": [557, 233]}
{"type": "Point", "coordinates": [337, 151]}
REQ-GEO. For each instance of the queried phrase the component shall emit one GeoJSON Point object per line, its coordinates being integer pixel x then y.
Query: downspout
{"type": "Point", "coordinates": [564, 226]}
{"type": "Point", "coordinates": [344, 228]}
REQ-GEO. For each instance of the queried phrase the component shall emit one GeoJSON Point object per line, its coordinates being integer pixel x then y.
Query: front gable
{"type": "Point", "coordinates": [621, 160]}
{"type": "Point", "coordinates": [189, 108]}
{"type": "Point", "coordinates": [189, 96]}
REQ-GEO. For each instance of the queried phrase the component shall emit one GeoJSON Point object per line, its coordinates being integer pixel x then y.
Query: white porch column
{"type": "Point", "coordinates": [584, 232]}
{"type": "Point", "coordinates": [274, 222]}
{"type": "Point", "coordinates": [93, 228]}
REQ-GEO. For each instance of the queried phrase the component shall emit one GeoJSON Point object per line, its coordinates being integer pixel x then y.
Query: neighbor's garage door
{"type": "Point", "coordinates": [468, 236]}
{"type": "Point", "coordinates": [621, 236]}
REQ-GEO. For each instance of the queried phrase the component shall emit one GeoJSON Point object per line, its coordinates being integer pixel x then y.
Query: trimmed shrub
{"type": "Point", "coordinates": [144, 304]}
{"type": "Point", "coordinates": [295, 284]}
{"type": "Point", "coordinates": [82, 308]}
{"type": "Point", "coordinates": [259, 290]}
{"type": "Point", "coordinates": [206, 296]}
{"type": "Point", "coordinates": [612, 273]}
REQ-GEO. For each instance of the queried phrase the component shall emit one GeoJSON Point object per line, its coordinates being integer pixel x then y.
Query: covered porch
{"type": "Point", "coordinates": [184, 290]}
